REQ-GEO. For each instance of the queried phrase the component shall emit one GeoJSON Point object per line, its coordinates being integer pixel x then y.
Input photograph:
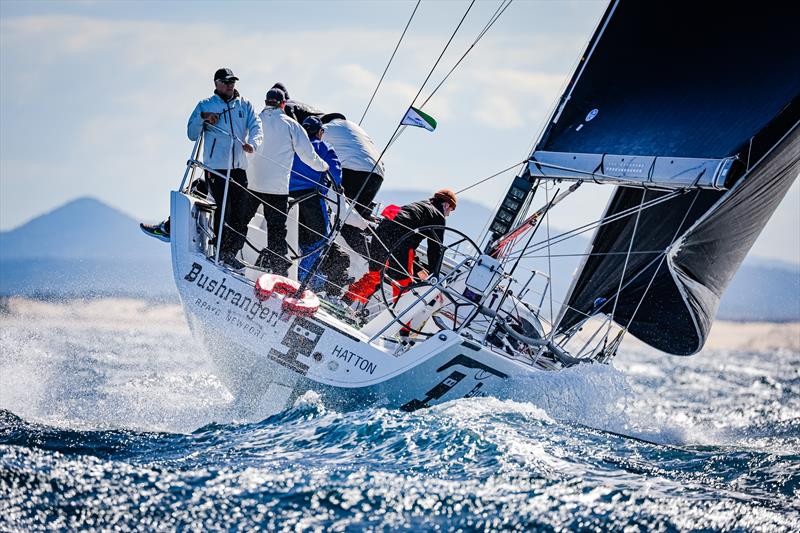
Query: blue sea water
{"type": "Point", "coordinates": [111, 418]}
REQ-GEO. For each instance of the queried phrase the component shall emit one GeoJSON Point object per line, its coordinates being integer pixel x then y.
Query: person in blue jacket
{"type": "Point", "coordinates": [314, 223]}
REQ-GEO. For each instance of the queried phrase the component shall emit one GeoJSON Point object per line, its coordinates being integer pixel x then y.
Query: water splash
{"type": "Point", "coordinates": [113, 420]}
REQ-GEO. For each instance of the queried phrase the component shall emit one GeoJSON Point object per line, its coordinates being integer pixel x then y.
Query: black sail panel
{"type": "Point", "coordinates": [602, 275]}
{"type": "Point", "coordinates": [680, 79]}
{"type": "Point", "coordinates": [695, 103]}
{"type": "Point", "coordinates": [709, 254]}
{"type": "Point", "coordinates": [669, 299]}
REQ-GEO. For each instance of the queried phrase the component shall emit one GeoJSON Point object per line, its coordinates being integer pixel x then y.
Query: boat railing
{"type": "Point", "coordinates": [195, 170]}
{"type": "Point", "coordinates": [455, 260]}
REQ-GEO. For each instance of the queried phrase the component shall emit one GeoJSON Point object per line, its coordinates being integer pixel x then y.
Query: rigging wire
{"type": "Point", "coordinates": [515, 165]}
{"type": "Point", "coordinates": [593, 225]}
{"type": "Point", "coordinates": [560, 302]}
{"type": "Point", "coordinates": [491, 22]}
{"type": "Point", "coordinates": [511, 273]}
{"type": "Point", "coordinates": [625, 264]}
{"type": "Point", "coordinates": [566, 235]}
{"type": "Point", "coordinates": [347, 200]}
{"type": "Point", "coordinates": [549, 259]}
{"type": "Point", "coordinates": [664, 256]}
{"type": "Point", "coordinates": [593, 254]}
{"type": "Point", "coordinates": [389, 63]}
{"type": "Point", "coordinates": [541, 244]}
{"type": "Point", "coordinates": [504, 4]}
{"type": "Point", "coordinates": [336, 231]}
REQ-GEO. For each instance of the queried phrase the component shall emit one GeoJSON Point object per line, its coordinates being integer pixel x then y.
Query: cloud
{"type": "Point", "coordinates": [117, 93]}
{"type": "Point", "coordinates": [94, 105]}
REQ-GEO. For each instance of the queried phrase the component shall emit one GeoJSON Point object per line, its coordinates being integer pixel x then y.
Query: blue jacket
{"type": "Point", "coordinates": [217, 143]}
{"type": "Point", "coordinates": [305, 177]}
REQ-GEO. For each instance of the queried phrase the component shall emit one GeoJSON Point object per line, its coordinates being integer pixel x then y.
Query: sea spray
{"type": "Point", "coordinates": [132, 429]}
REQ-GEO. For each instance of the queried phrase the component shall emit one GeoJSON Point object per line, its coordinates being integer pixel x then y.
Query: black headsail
{"type": "Point", "coordinates": [695, 103]}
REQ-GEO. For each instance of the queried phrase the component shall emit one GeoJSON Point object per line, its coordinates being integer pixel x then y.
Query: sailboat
{"type": "Point", "coordinates": [689, 111]}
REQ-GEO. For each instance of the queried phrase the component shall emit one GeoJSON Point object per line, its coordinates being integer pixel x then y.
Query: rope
{"type": "Point", "coordinates": [325, 253]}
{"type": "Point", "coordinates": [627, 257]}
{"type": "Point", "coordinates": [491, 22]}
{"type": "Point", "coordinates": [650, 283]}
{"type": "Point", "coordinates": [490, 177]}
{"type": "Point", "coordinates": [549, 258]}
{"type": "Point", "coordinates": [662, 255]}
{"type": "Point", "coordinates": [593, 225]}
{"type": "Point", "coordinates": [300, 224]}
{"type": "Point", "coordinates": [592, 254]}
{"type": "Point", "coordinates": [389, 63]}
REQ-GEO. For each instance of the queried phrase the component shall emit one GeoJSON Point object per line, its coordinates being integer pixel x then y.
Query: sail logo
{"type": "Point", "coordinates": [593, 113]}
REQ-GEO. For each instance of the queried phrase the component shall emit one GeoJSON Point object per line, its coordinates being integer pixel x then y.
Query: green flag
{"type": "Point", "coordinates": [415, 117]}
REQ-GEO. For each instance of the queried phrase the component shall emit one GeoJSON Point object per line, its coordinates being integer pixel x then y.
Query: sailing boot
{"type": "Point", "coordinates": [160, 231]}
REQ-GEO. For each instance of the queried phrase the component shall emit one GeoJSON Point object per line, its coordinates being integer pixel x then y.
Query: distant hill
{"type": "Point", "coordinates": [84, 248]}
{"type": "Point", "coordinates": [87, 248]}
{"type": "Point", "coordinates": [81, 229]}
{"type": "Point", "coordinates": [763, 291]}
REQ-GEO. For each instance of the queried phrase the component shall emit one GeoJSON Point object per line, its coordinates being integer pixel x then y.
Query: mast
{"type": "Point", "coordinates": [519, 196]}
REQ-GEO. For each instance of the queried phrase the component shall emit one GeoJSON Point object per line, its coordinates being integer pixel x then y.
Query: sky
{"type": "Point", "coordinates": [95, 95]}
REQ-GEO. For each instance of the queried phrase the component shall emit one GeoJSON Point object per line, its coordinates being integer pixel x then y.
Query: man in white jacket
{"type": "Point", "coordinates": [269, 175]}
{"type": "Point", "coordinates": [361, 170]}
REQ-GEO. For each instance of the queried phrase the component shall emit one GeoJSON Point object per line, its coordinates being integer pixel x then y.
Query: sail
{"type": "Point", "coordinates": [668, 92]}
{"type": "Point", "coordinates": [684, 254]}
{"type": "Point", "coordinates": [702, 103]}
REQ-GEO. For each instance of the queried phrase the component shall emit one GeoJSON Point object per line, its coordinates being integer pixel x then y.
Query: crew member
{"type": "Point", "coordinates": [314, 225]}
{"type": "Point", "coordinates": [221, 114]}
{"type": "Point", "coordinates": [362, 173]}
{"type": "Point", "coordinates": [430, 212]}
{"type": "Point", "coordinates": [283, 139]}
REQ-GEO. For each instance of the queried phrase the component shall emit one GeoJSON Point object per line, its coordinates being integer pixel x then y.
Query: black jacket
{"type": "Point", "coordinates": [389, 232]}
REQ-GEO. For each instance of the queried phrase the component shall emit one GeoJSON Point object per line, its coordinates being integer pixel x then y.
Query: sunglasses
{"type": "Point", "coordinates": [227, 82]}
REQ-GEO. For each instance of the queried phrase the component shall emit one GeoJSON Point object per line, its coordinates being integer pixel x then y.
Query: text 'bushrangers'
{"type": "Point", "coordinates": [251, 306]}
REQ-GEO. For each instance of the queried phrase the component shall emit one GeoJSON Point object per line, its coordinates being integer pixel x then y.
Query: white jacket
{"type": "Point", "coordinates": [217, 143]}
{"type": "Point", "coordinates": [354, 147]}
{"type": "Point", "coordinates": [271, 164]}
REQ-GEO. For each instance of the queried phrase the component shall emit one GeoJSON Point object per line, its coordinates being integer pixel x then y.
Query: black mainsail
{"type": "Point", "coordinates": [693, 103]}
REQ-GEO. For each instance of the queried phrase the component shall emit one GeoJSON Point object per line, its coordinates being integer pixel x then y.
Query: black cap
{"type": "Point", "coordinates": [312, 125]}
{"type": "Point", "coordinates": [282, 87]}
{"type": "Point", "coordinates": [275, 96]}
{"type": "Point", "coordinates": [224, 74]}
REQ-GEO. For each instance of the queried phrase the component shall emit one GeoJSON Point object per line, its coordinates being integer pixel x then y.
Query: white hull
{"type": "Point", "coordinates": [268, 358]}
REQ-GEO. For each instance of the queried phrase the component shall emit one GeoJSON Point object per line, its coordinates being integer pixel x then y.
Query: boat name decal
{"type": "Point", "coordinates": [250, 306]}
{"type": "Point", "coordinates": [365, 365]}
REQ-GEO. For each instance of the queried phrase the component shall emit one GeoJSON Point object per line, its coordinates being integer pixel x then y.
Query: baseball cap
{"type": "Point", "coordinates": [282, 87]}
{"type": "Point", "coordinates": [224, 74]}
{"type": "Point", "coordinates": [275, 96]}
{"type": "Point", "coordinates": [312, 125]}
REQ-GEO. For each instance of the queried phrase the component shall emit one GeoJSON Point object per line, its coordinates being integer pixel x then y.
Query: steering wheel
{"type": "Point", "coordinates": [452, 239]}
